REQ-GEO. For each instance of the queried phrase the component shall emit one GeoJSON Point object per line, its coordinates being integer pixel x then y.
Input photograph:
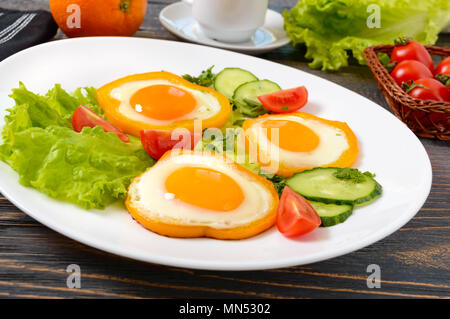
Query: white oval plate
{"type": "Point", "coordinates": [388, 148]}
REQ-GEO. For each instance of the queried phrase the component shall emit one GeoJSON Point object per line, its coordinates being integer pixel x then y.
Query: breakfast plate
{"type": "Point", "coordinates": [387, 148]}
{"type": "Point", "coordinates": [177, 19]}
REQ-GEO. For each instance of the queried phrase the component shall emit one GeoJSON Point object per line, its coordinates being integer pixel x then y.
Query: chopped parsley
{"type": "Point", "coordinates": [352, 174]}
{"type": "Point", "coordinates": [279, 182]}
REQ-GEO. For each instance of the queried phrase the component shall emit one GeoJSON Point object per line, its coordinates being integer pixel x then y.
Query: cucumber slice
{"type": "Point", "coordinates": [246, 96]}
{"type": "Point", "coordinates": [332, 214]}
{"type": "Point", "coordinates": [229, 79]}
{"type": "Point", "coordinates": [321, 185]}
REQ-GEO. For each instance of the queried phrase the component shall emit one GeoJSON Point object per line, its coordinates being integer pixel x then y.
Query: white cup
{"type": "Point", "coordinates": [229, 20]}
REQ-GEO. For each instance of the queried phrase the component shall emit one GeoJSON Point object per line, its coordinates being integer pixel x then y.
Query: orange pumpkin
{"type": "Point", "coordinates": [81, 18]}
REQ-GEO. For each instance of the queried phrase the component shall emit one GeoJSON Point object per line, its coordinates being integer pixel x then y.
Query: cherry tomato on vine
{"type": "Point", "coordinates": [427, 89]}
{"type": "Point", "coordinates": [443, 67]}
{"type": "Point", "coordinates": [410, 70]}
{"type": "Point", "coordinates": [412, 50]}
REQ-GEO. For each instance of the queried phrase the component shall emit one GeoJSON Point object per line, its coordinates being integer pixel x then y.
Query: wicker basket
{"type": "Point", "coordinates": [422, 117]}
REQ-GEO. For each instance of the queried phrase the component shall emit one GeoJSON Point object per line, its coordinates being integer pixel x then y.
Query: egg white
{"type": "Point", "coordinates": [332, 143]}
{"type": "Point", "coordinates": [207, 105]}
{"type": "Point", "coordinates": [148, 195]}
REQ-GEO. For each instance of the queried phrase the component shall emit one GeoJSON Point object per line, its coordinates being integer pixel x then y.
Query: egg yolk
{"type": "Point", "coordinates": [292, 136]}
{"type": "Point", "coordinates": [205, 188]}
{"type": "Point", "coordinates": [163, 102]}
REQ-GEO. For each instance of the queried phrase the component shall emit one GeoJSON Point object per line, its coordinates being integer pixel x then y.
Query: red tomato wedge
{"type": "Point", "coordinates": [285, 101]}
{"type": "Point", "coordinates": [295, 215]}
{"type": "Point", "coordinates": [84, 116]}
{"type": "Point", "coordinates": [157, 142]}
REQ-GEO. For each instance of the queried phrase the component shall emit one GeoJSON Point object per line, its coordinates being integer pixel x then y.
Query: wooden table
{"type": "Point", "coordinates": [414, 261]}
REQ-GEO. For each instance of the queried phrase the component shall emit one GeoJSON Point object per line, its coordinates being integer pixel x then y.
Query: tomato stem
{"type": "Point", "coordinates": [410, 85]}
{"type": "Point", "coordinates": [402, 40]}
{"type": "Point", "coordinates": [125, 6]}
{"type": "Point", "coordinates": [444, 78]}
{"type": "Point", "coordinates": [390, 66]}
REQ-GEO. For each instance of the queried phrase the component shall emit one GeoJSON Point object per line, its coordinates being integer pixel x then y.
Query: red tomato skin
{"type": "Point", "coordinates": [285, 101]}
{"type": "Point", "coordinates": [158, 142]}
{"type": "Point", "coordinates": [84, 116]}
{"type": "Point", "coordinates": [430, 121]}
{"type": "Point", "coordinates": [443, 67]}
{"type": "Point", "coordinates": [434, 90]}
{"type": "Point", "coordinates": [444, 78]}
{"type": "Point", "coordinates": [440, 119]}
{"type": "Point", "coordinates": [295, 215]}
{"type": "Point", "coordinates": [413, 50]}
{"type": "Point", "coordinates": [410, 70]}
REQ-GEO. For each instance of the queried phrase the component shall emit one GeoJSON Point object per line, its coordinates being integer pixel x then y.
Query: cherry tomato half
{"type": "Point", "coordinates": [410, 70]}
{"type": "Point", "coordinates": [285, 101]}
{"type": "Point", "coordinates": [412, 50]}
{"type": "Point", "coordinates": [157, 142]}
{"type": "Point", "coordinates": [295, 215]}
{"type": "Point", "coordinates": [84, 116]}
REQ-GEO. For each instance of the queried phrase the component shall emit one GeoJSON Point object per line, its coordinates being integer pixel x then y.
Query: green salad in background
{"type": "Point", "coordinates": [331, 29]}
{"type": "Point", "coordinates": [92, 169]}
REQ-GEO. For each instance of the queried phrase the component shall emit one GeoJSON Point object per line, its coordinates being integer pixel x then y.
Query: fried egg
{"type": "Point", "coordinates": [195, 194]}
{"type": "Point", "coordinates": [161, 100]}
{"type": "Point", "coordinates": [290, 143]}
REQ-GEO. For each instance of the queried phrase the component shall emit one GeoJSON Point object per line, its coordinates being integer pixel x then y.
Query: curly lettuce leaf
{"type": "Point", "coordinates": [332, 28]}
{"type": "Point", "coordinates": [91, 168]}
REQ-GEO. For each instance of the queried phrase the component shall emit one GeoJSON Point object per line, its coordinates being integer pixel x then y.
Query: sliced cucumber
{"type": "Point", "coordinates": [321, 185]}
{"type": "Point", "coordinates": [229, 79]}
{"type": "Point", "coordinates": [332, 214]}
{"type": "Point", "coordinates": [246, 96]}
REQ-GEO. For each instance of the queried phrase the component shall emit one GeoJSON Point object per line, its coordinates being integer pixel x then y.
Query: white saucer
{"type": "Point", "coordinates": [177, 19]}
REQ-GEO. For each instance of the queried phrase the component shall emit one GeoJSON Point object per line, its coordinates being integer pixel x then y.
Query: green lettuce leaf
{"type": "Point", "coordinates": [332, 28]}
{"type": "Point", "coordinates": [91, 168]}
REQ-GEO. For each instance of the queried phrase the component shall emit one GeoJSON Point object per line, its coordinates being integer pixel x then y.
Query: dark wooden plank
{"type": "Point", "coordinates": [414, 261]}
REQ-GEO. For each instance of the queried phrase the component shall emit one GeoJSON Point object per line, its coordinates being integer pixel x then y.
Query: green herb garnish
{"type": "Point", "coordinates": [352, 174]}
{"type": "Point", "coordinates": [279, 182]}
{"type": "Point", "coordinates": [206, 78]}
